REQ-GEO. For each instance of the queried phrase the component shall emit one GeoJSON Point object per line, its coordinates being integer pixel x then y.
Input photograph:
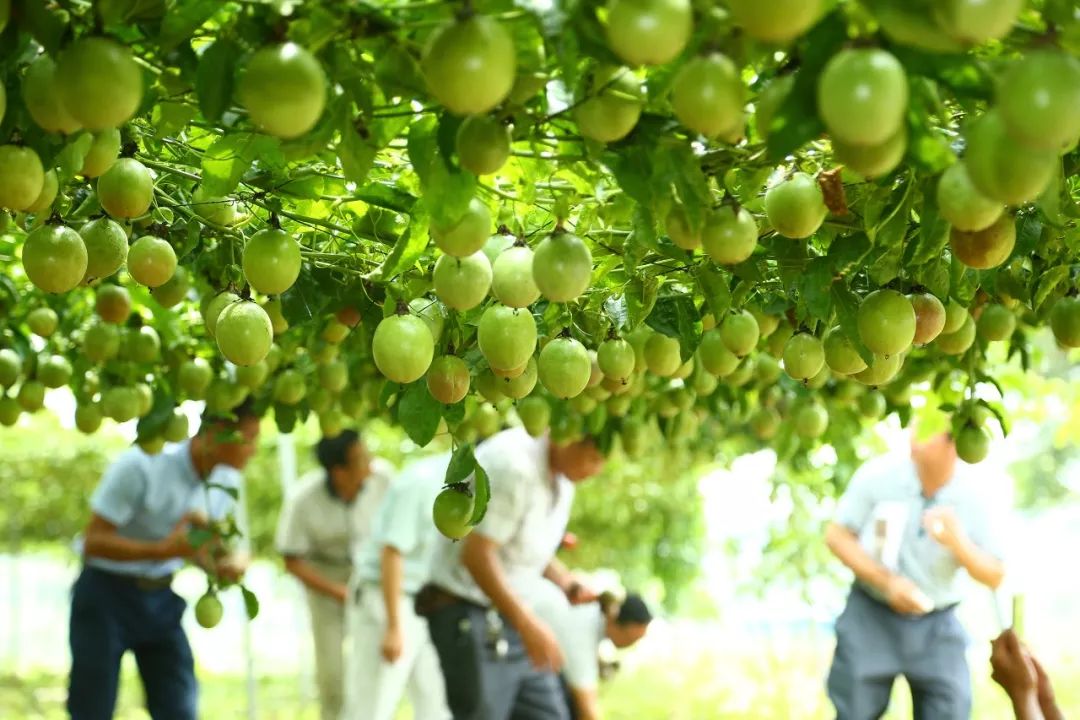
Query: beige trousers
{"type": "Point", "coordinates": [328, 633]}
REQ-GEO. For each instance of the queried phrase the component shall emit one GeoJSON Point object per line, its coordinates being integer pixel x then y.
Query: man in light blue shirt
{"type": "Point", "coordinates": [907, 526]}
{"type": "Point", "coordinates": [391, 646]}
{"type": "Point", "coordinates": [137, 538]}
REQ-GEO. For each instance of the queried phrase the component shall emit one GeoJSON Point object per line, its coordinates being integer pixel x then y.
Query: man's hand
{"type": "Point", "coordinates": [541, 645]}
{"type": "Point", "coordinates": [1013, 668]}
{"type": "Point", "coordinates": [578, 594]}
{"type": "Point", "coordinates": [393, 644]}
{"type": "Point", "coordinates": [175, 544]}
{"type": "Point", "coordinates": [905, 597]}
{"type": "Point", "coordinates": [232, 567]}
{"type": "Point", "coordinates": [945, 527]}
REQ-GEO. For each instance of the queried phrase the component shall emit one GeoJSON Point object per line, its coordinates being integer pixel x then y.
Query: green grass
{"type": "Point", "coordinates": [717, 683]}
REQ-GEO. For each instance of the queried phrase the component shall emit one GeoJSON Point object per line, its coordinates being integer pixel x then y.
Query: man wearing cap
{"type": "Point", "coordinates": [907, 526]}
{"type": "Point", "coordinates": [320, 527]}
{"type": "Point", "coordinates": [498, 658]}
{"type": "Point", "coordinates": [136, 540]}
{"type": "Point", "coordinates": [391, 649]}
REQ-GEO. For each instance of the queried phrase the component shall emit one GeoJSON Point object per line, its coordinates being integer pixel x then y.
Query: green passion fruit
{"type": "Point", "coordinates": [730, 235]}
{"type": "Point", "coordinates": [512, 280]}
{"type": "Point", "coordinates": [564, 367]}
{"type": "Point", "coordinates": [470, 65]}
{"type": "Point", "coordinates": [776, 21]}
{"type": "Point", "coordinates": [985, 249]}
{"type": "Point", "coordinates": [467, 234]}
{"type": "Point", "coordinates": [448, 379]}
{"type": "Point", "coordinates": [41, 96]}
{"type": "Point", "coordinates": [151, 261]}
{"type": "Point", "coordinates": [126, 189]}
{"type": "Point", "coordinates": [271, 261]}
{"type": "Point", "coordinates": [840, 353]}
{"type": "Point", "coordinates": [100, 83]}
{"type": "Point", "coordinates": [283, 88]}
{"type": "Point", "coordinates": [22, 177]}
{"type": "Point", "coordinates": [863, 96]}
{"type": "Point", "coordinates": [804, 356]}
{"type": "Point", "coordinates": [886, 322]}
{"type": "Point", "coordinates": [795, 207]}
{"type": "Point", "coordinates": [1002, 169]}
{"type": "Point", "coordinates": [1065, 321]}
{"type": "Point", "coordinates": [708, 95]}
{"type": "Point", "coordinates": [739, 332]}
{"type": "Point", "coordinates": [403, 348]}
{"type": "Point", "coordinates": [648, 32]}
{"type": "Point", "coordinates": [609, 103]}
{"type": "Point", "coordinates": [1039, 99]}
{"type": "Point", "coordinates": [506, 336]}
{"type": "Point", "coordinates": [54, 257]}
{"type": "Point", "coordinates": [462, 283]}
{"type": "Point", "coordinates": [961, 203]}
{"type": "Point", "coordinates": [483, 144]}
{"type": "Point", "coordinates": [562, 266]}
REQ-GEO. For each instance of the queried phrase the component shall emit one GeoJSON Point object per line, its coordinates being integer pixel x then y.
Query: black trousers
{"type": "Point", "coordinates": [488, 675]}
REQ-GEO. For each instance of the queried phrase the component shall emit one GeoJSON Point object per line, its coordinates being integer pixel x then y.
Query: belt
{"type": "Point", "coordinates": [139, 582]}
{"type": "Point", "coordinates": [863, 592]}
{"type": "Point", "coordinates": [430, 599]}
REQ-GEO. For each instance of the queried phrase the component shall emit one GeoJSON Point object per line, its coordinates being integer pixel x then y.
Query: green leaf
{"type": "Point", "coordinates": [462, 464]}
{"type": "Point", "coordinates": [676, 316]}
{"type": "Point", "coordinates": [226, 161]}
{"type": "Point", "coordinates": [447, 189]}
{"type": "Point", "coordinates": [1029, 230]}
{"type": "Point", "coordinates": [815, 288]}
{"type": "Point", "coordinates": [847, 308]}
{"type": "Point", "coordinates": [251, 603]}
{"type": "Point", "coordinates": [847, 251]}
{"type": "Point", "coordinates": [199, 536]}
{"type": "Point", "coordinates": [407, 250]}
{"type": "Point", "coordinates": [357, 154]}
{"type": "Point", "coordinates": [933, 233]}
{"type": "Point", "coordinates": [214, 78]}
{"type": "Point", "coordinates": [183, 19]}
{"type": "Point", "coordinates": [229, 490]}
{"type": "Point", "coordinates": [640, 298]}
{"type": "Point", "coordinates": [69, 161]}
{"type": "Point", "coordinates": [419, 413]}
{"type": "Point", "coordinates": [1049, 282]}
{"type": "Point", "coordinates": [481, 494]}
{"type": "Point", "coordinates": [714, 286]}
{"type": "Point", "coordinates": [153, 423]}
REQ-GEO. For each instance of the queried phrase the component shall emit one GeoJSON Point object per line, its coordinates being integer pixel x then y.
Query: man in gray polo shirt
{"type": "Point", "coordinates": [906, 526]}
{"type": "Point", "coordinates": [137, 538]}
{"type": "Point", "coordinates": [498, 658]}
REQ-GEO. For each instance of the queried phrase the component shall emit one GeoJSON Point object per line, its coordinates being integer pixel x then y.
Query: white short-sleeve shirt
{"type": "Point", "coordinates": [887, 490]}
{"type": "Point", "coordinates": [526, 517]}
{"type": "Point", "coordinates": [317, 525]}
{"type": "Point", "coordinates": [579, 629]}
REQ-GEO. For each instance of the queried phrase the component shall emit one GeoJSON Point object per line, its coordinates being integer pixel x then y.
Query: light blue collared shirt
{"type": "Point", "coordinates": [145, 496]}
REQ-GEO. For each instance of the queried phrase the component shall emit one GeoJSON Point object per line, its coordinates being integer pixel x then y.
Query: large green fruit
{"type": "Point", "coordinates": [930, 317]}
{"type": "Point", "coordinates": [470, 65]}
{"type": "Point", "coordinates": [88, 418]}
{"type": "Point", "coordinates": [42, 321]}
{"type": "Point", "coordinates": [431, 312]}
{"type": "Point", "coordinates": [872, 161]}
{"type": "Point", "coordinates": [615, 358]}
{"type": "Point", "coordinates": [209, 610]}
{"type": "Point", "coordinates": [976, 21]}
{"type": "Point", "coordinates": [1039, 99]}
{"type": "Point", "coordinates": [104, 149]}
{"type": "Point", "coordinates": [740, 332]}
{"type": "Point", "coordinates": [535, 414]}
{"type": "Point", "coordinates": [730, 237]}
{"type": "Point", "coordinates": [678, 227]}
{"type": "Point", "coordinates": [840, 354]}
{"type": "Point", "coordinates": [957, 343]}
{"type": "Point", "coordinates": [54, 257]}
{"type": "Point", "coordinates": [648, 32]}
{"type": "Point", "coordinates": [403, 348]}
{"type": "Point", "coordinates": [804, 356]}
{"type": "Point", "coordinates": [334, 376]}
{"type": "Point", "coordinates": [483, 144]}
{"type": "Point", "coordinates": [126, 189]}
{"type": "Point", "coordinates": [271, 261]}
{"type": "Point", "coordinates": [770, 100]}
{"type": "Point", "coordinates": [811, 420]}
{"type": "Point", "coordinates": [662, 355]}
{"type": "Point", "coordinates": [863, 96]}
{"type": "Point", "coordinates": [490, 387]}
{"type": "Point", "coordinates": [31, 396]}
{"type": "Point", "coordinates": [10, 367]}
{"type": "Point", "coordinates": [253, 376]}
{"type": "Point", "coordinates": [120, 403]}
{"type": "Point", "coordinates": [562, 266]}
{"type": "Point", "coordinates": [212, 309]}
{"type": "Point", "coordinates": [244, 333]}
{"type": "Point", "coordinates": [520, 386]}
{"type": "Point", "coordinates": [708, 95]}
{"type": "Point", "coordinates": [10, 410]}
{"type": "Point", "coordinates": [506, 336]}
{"type": "Point", "coordinates": [448, 379]}
{"type": "Point", "coordinates": [609, 103]}
{"type": "Point", "coordinates": [985, 249]}
{"type": "Point", "coordinates": [142, 345]}
{"type": "Point", "coordinates": [796, 207]}
{"type": "Point", "coordinates": [216, 210]}
{"type": "Point", "coordinates": [512, 278]}
{"type": "Point", "coordinates": [1065, 321]}
{"type": "Point", "coordinates": [972, 444]}
{"type": "Point", "coordinates": [996, 323]}
{"type": "Point", "coordinates": [177, 429]}
{"type": "Point", "coordinates": [881, 371]}
{"type": "Point", "coordinates": [462, 283]}
{"type": "Point", "coordinates": [41, 95]}
{"type": "Point", "coordinates": [54, 371]}
{"type": "Point", "coordinates": [886, 322]}
{"type": "Point", "coordinates": [194, 377]}
{"type": "Point", "coordinates": [151, 261]}
{"type": "Point", "coordinates": [765, 422]}
{"type": "Point", "coordinates": [955, 317]}
{"type": "Point", "coordinates": [21, 177]}
{"type": "Point", "coordinates": [1001, 168]}
{"type": "Point", "coordinates": [283, 88]}
{"type": "Point", "coordinates": [466, 235]}
{"type": "Point", "coordinates": [714, 355]}
{"type": "Point", "coordinates": [777, 21]}
{"type": "Point", "coordinates": [174, 290]}
{"type": "Point", "coordinates": [49, 190]}
{"type": "Point", "coordinates": [872, 404]}
{"type": "Point", "coordinates": [289, 387]}
{"type": "Point", "coordinates": [112, 303]}
{"type": "Point", "coordinates": [961, 203]}
{"type": "Point", "coordinates": [564, 367]}
{"type": "Point", "coordinates": [452, 512]}
{"type": "Point", "coordinates": [100, 83]}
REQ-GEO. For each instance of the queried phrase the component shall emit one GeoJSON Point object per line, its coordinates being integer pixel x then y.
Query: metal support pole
{"type": "Point", "coordinates": [249, 654]}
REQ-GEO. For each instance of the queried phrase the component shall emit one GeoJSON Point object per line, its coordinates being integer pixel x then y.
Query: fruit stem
{"type": "Point", "coordinates": [466, 11]}
{"type": "Point", "coordinates": [129, 149]}
{"type": "Point", "coordinates": [273, 221]}
{"type": "Point", "coordinates": [402, 308]}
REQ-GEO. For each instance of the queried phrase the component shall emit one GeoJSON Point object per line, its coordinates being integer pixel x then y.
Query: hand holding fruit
{"type": "Point", "coordinates": [906, 598]}
{"type": "Point", "coordinates": [945, 527]}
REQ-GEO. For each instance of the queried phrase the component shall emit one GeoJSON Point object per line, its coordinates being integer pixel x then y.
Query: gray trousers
{"type": "Point", "coordinates": [874, 644]}
{"type": "Point", "coordinates": [488, 675]}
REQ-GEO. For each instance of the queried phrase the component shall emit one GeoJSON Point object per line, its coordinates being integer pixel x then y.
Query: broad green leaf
{"type": "Point", "coordinates": [251, 603]}
{"type": "Point", "coordinates": [481, 494]}
{"type": "Point", "coordinates": [407, 250]}
{"type": "Point", "coordinates": [357, 154]}
{"type": "Point", "coordinates": [1049, 282]}
{"type": "Point", "coordinates": [419, 413]}
{"type": "Point", "coordinates": [447, 189]}
{"type": "Point", "coordinates": [676, 316]}
{"type": "Point", "coordinates": [226, 161]}
{"type": "Point", "coordinates": [184, 18]}
{"type": "Point", "coordinates": [462, 464]}
{"type": "Point", "coordinates": [815, 289]}
{"type": "Point", "coordinates": [640, 298]}
{"type": "Point", "coordinates": [153, 423]}
{"type": "Point", "coordinates": [214, 77]}
{"type": "Point", "coordinates": [69, 161]}
{"type": "Point", "coordinates": [847, 308]}
{"type": "Point", "coordinates": [714, 286]}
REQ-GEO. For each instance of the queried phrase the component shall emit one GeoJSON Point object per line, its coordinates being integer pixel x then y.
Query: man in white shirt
{"type": "Point", "coordinates": [907, 526]}
{"type": "Point", "coordinates": [390, 645]}
{"type": "Point", "coordinates": [580, 630]}
{"type": "Point", "coordinates": [499, 659]}
{"type": "Point", "coordinates": [320, 525]}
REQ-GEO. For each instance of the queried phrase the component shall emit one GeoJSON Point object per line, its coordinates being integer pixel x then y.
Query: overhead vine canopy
{"type": "Point", "coordinates": [657, 221]}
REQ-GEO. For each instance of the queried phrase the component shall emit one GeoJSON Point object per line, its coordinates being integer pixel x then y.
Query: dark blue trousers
{"type": "Point", "coordinates": [874, 645]}
{"type": "Point", "coordinates": [111, 615]}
